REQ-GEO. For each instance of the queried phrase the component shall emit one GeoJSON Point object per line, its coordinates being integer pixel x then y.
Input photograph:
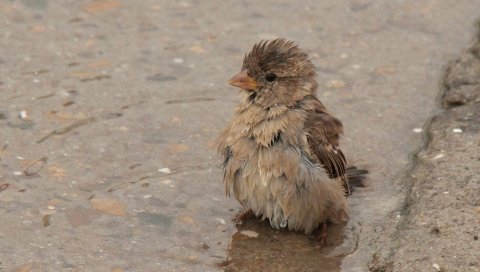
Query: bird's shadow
{"type": "Point", "coordinates": [256, 246]}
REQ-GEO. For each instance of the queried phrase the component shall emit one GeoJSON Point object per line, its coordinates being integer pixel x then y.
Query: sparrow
{"type": "Point", "coordinates": [280, 151]}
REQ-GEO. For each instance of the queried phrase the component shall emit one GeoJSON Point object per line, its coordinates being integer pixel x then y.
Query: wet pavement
{"type": "Point", "coordinates": [110, 109]}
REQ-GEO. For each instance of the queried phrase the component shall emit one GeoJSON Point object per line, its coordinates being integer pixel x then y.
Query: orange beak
{"type": "Point", "coordinates": [243, 81]}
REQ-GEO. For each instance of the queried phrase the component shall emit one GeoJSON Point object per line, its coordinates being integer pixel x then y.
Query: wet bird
{"type": "Point", "coordinates": [281, 148]}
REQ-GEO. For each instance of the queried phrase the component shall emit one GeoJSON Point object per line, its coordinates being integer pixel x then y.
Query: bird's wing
{"type": "Point", "coordinates": [323, 133]}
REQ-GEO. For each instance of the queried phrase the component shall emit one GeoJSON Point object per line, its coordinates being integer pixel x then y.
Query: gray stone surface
{"type": "Point", "coordinates": [98, 96]}
{"type": "Point", "coordinates": [440, 228]}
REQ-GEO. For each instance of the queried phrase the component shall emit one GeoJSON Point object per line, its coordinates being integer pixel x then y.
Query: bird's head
{"type": "Point", "coordinates": [276, 72]}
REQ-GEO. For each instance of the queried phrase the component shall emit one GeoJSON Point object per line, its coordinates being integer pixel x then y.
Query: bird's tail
{"type": "Point", "coordinates": [356, 178]}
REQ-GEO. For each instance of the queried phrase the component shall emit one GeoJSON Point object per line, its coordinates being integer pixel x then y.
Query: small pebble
{"type": "Point", "coordinates": [178, 60]}
{"type": "Point", "coordinates": [17, 173]}
{"type": "Point", "coordinates": [147, 196]}
{"type": "Point", "coordinates": [457, 130]}
{"type": "Point", "coordinates": [249, 233]}
{"type": "Point", "coordinates": [436, 266]}
{"type": "Point", "coordinates": [167, 181]}
{"type": "Point", "coordinates": [439, 156]}
{"type": "Point", "coordinates": [221, 221]}
{"type": "Point", "coordinates": [165, 170]}
{"type": "Point", "coordinates": [51, 207]}
{"type": "Point", "coordinates": [417, 130]}
{"type": "Point", "coordinates": [23, 115]}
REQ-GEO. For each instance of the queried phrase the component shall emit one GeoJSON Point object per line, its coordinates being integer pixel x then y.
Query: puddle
{"type": "Point", "coordinates": [281, 250]}
{"type": "Point", "coordinates": [278, 250]}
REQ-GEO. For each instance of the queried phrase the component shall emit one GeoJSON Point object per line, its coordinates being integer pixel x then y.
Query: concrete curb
{"type": "Point", "coordinates": [440, 223]}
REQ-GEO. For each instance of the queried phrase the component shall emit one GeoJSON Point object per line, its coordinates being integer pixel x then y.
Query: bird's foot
{"type": "Point", "coordinates": [322, 236]}
{"type": "Point", "coordinates": [243, 216]}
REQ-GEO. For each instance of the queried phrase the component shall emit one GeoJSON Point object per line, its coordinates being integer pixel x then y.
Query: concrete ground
{"type": "Point", "coordinates": [110, 109]}
{"type": "Point", "coordinates": [441, 215]}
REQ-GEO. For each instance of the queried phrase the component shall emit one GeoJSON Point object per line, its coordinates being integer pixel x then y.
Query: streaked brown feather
{"type": "Point", "coordinates": [323, 133]}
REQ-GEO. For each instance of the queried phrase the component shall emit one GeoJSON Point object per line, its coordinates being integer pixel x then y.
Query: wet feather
{"type": "Point", "coordinates": [281, 149]}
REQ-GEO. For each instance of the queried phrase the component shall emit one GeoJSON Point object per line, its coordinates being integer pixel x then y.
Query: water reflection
{"type": "Point", "coordinates": [281, 250]}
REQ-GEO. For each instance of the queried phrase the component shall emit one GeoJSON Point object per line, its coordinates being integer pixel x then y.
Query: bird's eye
{"type": "Point", "coordinates": [271, 77]}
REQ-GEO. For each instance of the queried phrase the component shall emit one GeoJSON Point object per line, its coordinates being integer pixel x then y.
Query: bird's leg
{"type": "Point", "coordinates": [322, 235]}
{"type": "Point", "coordinates": [242, 216]}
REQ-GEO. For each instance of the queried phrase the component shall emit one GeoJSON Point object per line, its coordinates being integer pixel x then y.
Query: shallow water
{"type": "Point", "coordinates": [280, 250]}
